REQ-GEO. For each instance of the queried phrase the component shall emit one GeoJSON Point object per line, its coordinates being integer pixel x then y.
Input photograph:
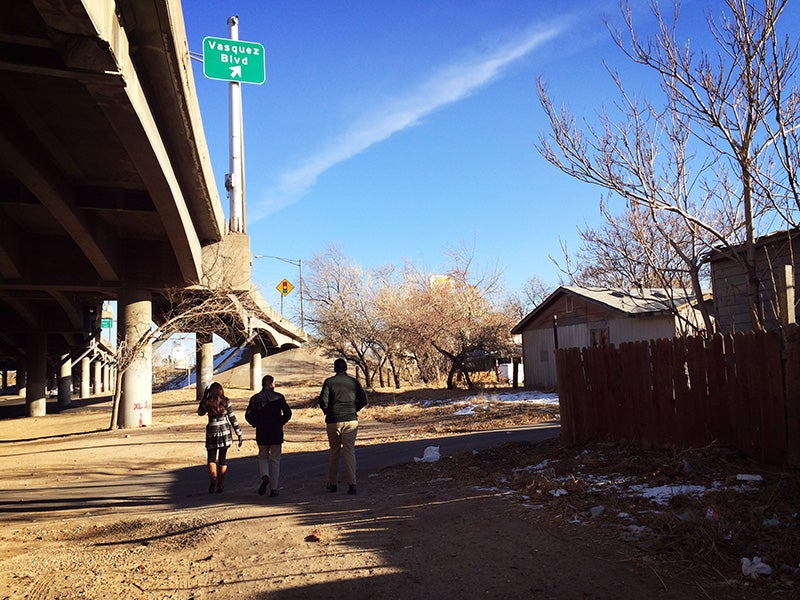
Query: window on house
{"type": "Point", "coordinates": [599, 337]}
{"type": "Point", "coordinates": [569, 304]}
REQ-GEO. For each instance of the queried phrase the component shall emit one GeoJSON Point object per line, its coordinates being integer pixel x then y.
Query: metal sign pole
{"type": "Point", "coordinates": [302, 313]}
{"type": "Point", "coordinates": [234, 183]}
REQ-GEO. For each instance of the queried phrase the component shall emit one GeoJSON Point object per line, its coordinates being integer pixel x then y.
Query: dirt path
{"type": "Point", "coordinates": [411, 532]}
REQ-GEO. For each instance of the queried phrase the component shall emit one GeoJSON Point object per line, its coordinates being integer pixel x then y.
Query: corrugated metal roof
{"type": "Point", "coordinates": [634, 302]}
{"type": "Point", "coordinates": [648, 301]}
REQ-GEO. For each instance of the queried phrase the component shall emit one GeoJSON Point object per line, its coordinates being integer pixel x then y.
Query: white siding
{"type": "Point", "coordinates": [627, 329]}
{"type": "Point", "coordinates": [538, 358]}
{"type": "Point", "coordinates": [573, 336]}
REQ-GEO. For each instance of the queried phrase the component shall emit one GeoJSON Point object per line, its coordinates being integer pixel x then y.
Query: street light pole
{"type": "Point", "coordinates": [297, 263]}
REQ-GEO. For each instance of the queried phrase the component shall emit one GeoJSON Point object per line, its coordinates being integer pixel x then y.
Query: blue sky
{"type": "Point", "coordinates": [401, 129]}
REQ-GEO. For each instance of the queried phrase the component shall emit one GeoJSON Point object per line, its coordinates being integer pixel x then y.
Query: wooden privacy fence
{"type": "Point", "coordinates": [740, 390]}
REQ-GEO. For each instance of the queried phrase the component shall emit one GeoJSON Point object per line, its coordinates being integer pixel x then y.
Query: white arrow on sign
{"type": "Point", "coordinates": [236, 71]}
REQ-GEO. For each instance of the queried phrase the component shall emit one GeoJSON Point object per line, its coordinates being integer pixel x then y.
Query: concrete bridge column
{"type": "Point", "coordinates": [106, 377]}
{"type": "Point", "coordinates": [85, 377]}
{"type": "Point", "coordinates": [65, 380]}
{"type": "Point", "coordinates": [112, 381]}
{"type": "Point", "coordinates": [21, 379]}
{"type": "Point", "coordinates": [34, 379]}
{"type": "Point", "coordinates": [97, 368]}
{"type": "Point", "coordinates": [204, 364]}
{"type": "Point", "coordinates": [255, 367]}
{"type": "Point", "coordinates": [135, 319]}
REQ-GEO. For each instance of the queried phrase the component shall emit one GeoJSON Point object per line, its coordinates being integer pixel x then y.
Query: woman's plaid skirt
{"type": "Point", "coordinates": [218, 434]}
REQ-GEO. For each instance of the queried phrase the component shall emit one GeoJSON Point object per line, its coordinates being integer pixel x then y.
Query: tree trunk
{"type": "Point", "coordinates": [451, 376]}
{"type": "Point", "coordinates": [395, 374]}
{"type": "Point", "coordinates": [753, 287]}
{"type": "Point", "coordinates": [465, 372]}
{"type": "Point", "coordinates": [697, 288]}
{"type": "Point", "coordinates": [115, 402]}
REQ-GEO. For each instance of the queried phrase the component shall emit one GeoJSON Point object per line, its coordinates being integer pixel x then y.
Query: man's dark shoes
{"type": "Point", "coordinates": [273, 493]}
{"type": "Point", "coordinates": [351, 490]}
{"type": "Point", "coordinates": [262, 489]}
{"type": "Point", "coordinates": [331, 487]}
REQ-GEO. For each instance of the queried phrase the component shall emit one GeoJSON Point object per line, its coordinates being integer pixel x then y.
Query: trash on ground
{"type": "Point", "coordinates": [754, 568]}
{"type": "Point", "coordinates": [431, 454]}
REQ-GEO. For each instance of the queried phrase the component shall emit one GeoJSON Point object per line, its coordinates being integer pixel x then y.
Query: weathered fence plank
{"type": "Point", "coordinates": [568, 371]}
{"type": "Point", "coordinates": [791, 388]}
{"type": "Point", "coordinates": [683, 394]}
{"type": "Point", "coordinates": [773, 414]}
{"type": "Point", "coordinates": [697, 415]}
{"type": "Point", "coordinates": [719, 414]}
{"type": "Point", "coordinates": [663, 391]}
{"type": "Point", "coordinates": [598, 402]}
{"type": "Point", "coordinates": [743, 402]}
{"type": "Point", "coordinates": [635, 357]}
{"type": "Point", "coordinates": [738, 390]}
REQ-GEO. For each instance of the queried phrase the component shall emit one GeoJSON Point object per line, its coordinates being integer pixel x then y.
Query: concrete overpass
{"type": "Point", "coordinates": [106, 187]}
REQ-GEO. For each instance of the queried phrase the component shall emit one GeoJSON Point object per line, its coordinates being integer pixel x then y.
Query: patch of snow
{"type": "Point", "coordinates": [662, 494]}
{"type": "Point", "coordinates": [479, 400]}
{"type": "Point", "coordinates": [540, 467]}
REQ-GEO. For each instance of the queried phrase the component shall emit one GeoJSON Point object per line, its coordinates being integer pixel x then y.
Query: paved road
{"type": "Point", "coordinates": [374, 458]}
{"type": "Point", "coordinates": [184, 488]}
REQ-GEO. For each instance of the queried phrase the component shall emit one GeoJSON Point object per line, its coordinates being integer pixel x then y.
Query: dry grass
{"type": "Point", "coordinates": [696, 536]}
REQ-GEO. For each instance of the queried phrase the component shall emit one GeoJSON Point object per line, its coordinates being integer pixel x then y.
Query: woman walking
{"type": "Point", "coordinates": [218, 433]}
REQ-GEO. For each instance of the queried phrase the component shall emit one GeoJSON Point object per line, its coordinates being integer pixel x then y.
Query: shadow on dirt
{"type": "Point", "coordinates": [302, 474]}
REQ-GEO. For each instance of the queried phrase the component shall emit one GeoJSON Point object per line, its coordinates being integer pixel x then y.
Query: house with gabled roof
{"type": "Point", "coordinates": [580, 317]}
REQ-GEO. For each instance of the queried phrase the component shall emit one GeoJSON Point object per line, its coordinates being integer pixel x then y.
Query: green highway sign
{"type": "Point", "coordinates": [106, 323]}
{"type": "Point", "coordinates": [234, 60]}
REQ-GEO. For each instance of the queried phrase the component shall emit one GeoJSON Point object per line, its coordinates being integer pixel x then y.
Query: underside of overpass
{"type": "Point", "coordinates": [105, 178]}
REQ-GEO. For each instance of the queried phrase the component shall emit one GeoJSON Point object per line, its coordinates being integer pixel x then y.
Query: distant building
{"type": "Point", "coordinates": [579, 317]}
{"type": "Point", "coordinates": [177, 357]}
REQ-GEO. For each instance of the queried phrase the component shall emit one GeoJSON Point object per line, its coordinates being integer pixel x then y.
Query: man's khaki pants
{"type": "Point", "coordinates": [269, 463]}
{"type": "Point", "coordinates": [342, 438]}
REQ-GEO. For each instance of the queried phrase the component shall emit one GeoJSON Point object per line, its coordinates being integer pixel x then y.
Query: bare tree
{"type": "Point", "coordinates": [533, 292]}
{"type": "Point", "coordinates": [453, 314]}
{"type": "Point", "coordinates": [199, 310]}
{"type": "Point", "coordinates": [342, 309]}
{"type": "Point", "coordinates": [720, 152]}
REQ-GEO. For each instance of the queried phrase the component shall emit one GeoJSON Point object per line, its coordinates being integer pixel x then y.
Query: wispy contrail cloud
{"type": "Point", "coordinates": [446, 86]}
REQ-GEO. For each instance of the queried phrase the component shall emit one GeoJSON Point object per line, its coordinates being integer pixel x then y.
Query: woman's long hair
{"type": "Point", "coordinates": [215, 400]}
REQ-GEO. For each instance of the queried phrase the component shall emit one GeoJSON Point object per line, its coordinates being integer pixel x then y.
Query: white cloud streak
{"type": "Point", "coordinates": [446, 86]}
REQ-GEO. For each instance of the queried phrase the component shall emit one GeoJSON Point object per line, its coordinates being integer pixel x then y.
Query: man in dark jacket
{"type": "Point", "coordinates": [268, 412]}
{"type": "Point", "coordinates": [341, 398]}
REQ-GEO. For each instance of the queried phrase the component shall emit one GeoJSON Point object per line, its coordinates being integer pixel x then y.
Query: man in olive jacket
{"type": "Point", "coordinates": [341, 398]}
{"type": "Point", "coordinates": [268, 412]}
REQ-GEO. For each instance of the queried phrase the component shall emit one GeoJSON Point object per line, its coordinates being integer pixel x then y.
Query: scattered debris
{"type": "Point", "coordinates": [431, 454]}
{"type": "Point", "coordinates": [754, 568]}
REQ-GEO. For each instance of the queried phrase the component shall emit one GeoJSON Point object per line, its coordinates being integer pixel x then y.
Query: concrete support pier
{"type": "Point", "coordinates": [21, 385]}
{"type": "Point", "coordinates": [34, 380]}
{"type": "Point", "coordinates": [204, 362]}
{"type": "Point", "coordinates": [97, 371]}
{"type": "Point", "coordinates": [65, 381]}
{"type": "Point", "coordinates": [135, 317]}
{"type": "Point", "coordinates": [86, 377]}
{"type": "Point", "coordinates": [255, 367]}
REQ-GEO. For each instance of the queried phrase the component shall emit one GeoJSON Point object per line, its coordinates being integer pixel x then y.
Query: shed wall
{"type": "Point", "coordinates": [729, 284]}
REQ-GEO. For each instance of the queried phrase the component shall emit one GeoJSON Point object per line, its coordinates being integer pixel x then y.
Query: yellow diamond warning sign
{"type": "Point", "coordinates": [285, 287]}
